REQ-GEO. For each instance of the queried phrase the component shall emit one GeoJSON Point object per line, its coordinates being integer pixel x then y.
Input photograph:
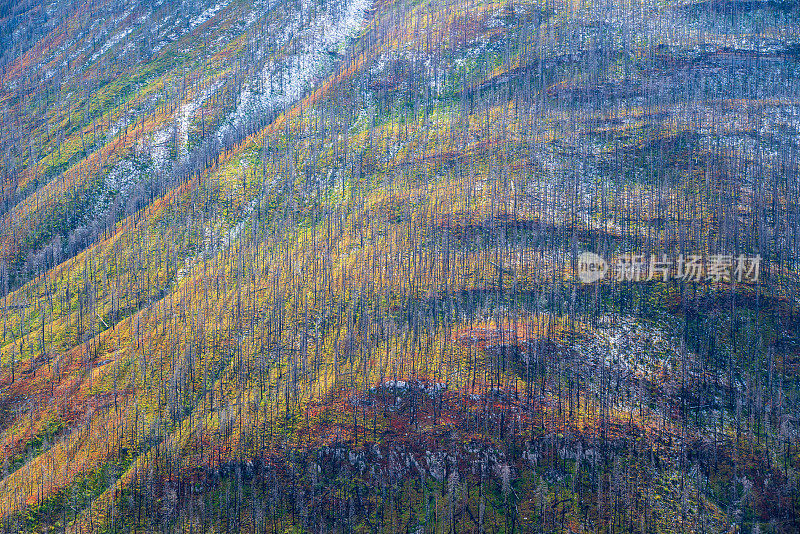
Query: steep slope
{"type": "Point", "coordinates": [313, 266]}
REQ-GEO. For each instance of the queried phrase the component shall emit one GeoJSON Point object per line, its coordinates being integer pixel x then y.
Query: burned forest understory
{"type": "Point", "coordinates": [413, 266]}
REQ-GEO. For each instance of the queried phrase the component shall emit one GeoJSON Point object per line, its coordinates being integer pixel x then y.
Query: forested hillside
{"type": "Point", "coordinates": [321, 266]}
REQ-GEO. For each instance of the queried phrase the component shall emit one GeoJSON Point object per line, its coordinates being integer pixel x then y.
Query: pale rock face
{"type": "Point", "coordinates": [280, 85]}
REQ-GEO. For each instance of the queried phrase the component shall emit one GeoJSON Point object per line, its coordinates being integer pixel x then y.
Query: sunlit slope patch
{"type": "Point", "coordinates": [153, 119]}
{"type": "Point", "coordinates": [91, 349]}
{"type": "Point", "coordinates": [88, 132]}
{"type": "Point", "coordinates": [491, 118]}
{"type": "Point", "coordinates": [135, 231]}
{"type": "Point", "coordinates": [104, 61]}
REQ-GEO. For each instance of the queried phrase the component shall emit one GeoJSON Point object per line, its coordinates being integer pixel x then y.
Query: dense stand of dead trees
{"type": "Point", "coordinates": [420, 223]}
